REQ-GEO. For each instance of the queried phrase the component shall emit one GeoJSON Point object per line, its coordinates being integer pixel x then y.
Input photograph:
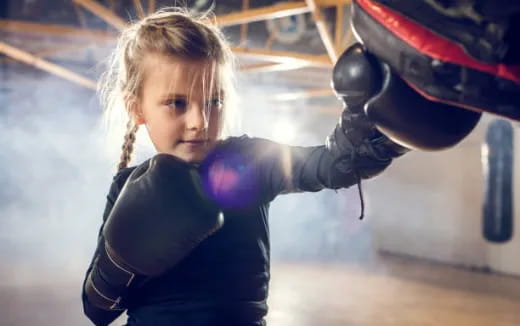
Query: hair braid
{"type": "Point", "coordinates": [128, 144]}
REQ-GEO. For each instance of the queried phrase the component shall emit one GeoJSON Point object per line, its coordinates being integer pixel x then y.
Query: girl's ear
{"type": "Point", "coordinates": [135, 111]}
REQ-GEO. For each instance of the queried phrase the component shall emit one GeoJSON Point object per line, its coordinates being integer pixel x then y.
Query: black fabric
{"type": "Point", "coordinates": [224, 281]}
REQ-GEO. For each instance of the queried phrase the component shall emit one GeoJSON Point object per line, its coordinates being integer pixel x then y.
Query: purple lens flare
{"type": "Point", "coordinates": [230, 178]}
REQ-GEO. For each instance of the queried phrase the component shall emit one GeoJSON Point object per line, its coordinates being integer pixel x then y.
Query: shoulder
{"type": "Point", "coordinates": [234, 140]}
{"type": "Point", "coordinates": [119, 180]}
{"type": "Point", "coordinates": [245, 142]}
{"type": "Point", "coordinates": [122, 175]}
{"type": "Point", "coordinates": [253, 149]}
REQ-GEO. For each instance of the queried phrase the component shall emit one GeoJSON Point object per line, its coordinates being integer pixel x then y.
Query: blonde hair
{"type": "Point", "coordinates": [171, 32]}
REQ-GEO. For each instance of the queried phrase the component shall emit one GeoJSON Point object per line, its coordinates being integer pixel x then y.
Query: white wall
{"type": "Point", "coordinates": [429, 205]}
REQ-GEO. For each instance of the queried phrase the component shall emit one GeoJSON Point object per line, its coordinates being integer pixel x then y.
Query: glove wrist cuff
{"type": "Point", "coordinates": [108, 281]}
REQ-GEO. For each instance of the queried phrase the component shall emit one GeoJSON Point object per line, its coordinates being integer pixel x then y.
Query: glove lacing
{"type": "Point", "coordinates": [352, 158]}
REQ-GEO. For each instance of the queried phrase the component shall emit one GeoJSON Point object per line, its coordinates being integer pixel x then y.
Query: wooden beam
{"type": "Point", "coordinates": [271, 67]}
{"type": "Point", "coordinates": [102, 36]}
{"type": "Point", "coordinates": [151, 6]}
{"type": "Point", "coordinates": [58, 50]}
{"type": "Point", "coordinates": [102, 12]}
{"type": "Point", "coordinates": [243, 27]}
{"type": "Point", "coordinates": [70, 48]}
{"type": "Point", "coordinates": [30, 59]}
{"type": "Point", "coordinates": [139, 8]}
{"type": "Point", "coordinates": [339, 27]}
{"type": "Point", "coordinates": [332, 3]}
{"type": "Point", "coordinates": [284, 57]}
{"type": "Point", "coordinates": [269, 41]}
{"type": "Point", "coordinates": [81, 16]}
{"type": "Point", "coordinates": [263, 13]}
{"type": "Point", "coordinates": [323, 30]}
{"type": "Point", "coordinates": [55, 30]}
{"type": "Point", "coordinates": [349, 36]}
{"type": "Point", "coordinates": [309, 93]}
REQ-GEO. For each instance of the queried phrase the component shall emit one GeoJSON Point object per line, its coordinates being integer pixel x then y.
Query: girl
{"type": "Point", "coordinates": [172, 74]}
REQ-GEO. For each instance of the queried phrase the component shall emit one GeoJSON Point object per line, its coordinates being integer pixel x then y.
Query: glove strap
{"type": "Point", "coordinates": [108, 282]}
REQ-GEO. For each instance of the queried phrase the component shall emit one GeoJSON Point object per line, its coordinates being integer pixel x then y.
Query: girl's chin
{"type": "Point", "coordinates": [190, 156]}
{"type": "Point", "coordinates": [188, 153]}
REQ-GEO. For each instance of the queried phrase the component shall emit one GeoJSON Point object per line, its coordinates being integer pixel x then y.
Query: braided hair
{"type": "Point", "coordinates": [128, 145]}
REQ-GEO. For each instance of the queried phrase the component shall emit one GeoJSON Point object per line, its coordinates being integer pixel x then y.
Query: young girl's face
{"type": "Point", "coordinates": [180, 104]}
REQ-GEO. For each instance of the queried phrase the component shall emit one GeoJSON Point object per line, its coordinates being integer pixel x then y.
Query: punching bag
{"type": "Point", "coordinates": [497, 159]}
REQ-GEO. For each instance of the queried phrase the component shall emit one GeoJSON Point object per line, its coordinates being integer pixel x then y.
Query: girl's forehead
{"type": "Point", "coordinates": [167, 72]}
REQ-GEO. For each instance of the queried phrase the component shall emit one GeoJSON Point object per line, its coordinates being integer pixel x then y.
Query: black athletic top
{"type": "Point", "coordinates": [224, 281]}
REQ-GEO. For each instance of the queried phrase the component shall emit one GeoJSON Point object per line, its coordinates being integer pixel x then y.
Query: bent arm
{"type": "Point", "coordinates": [101, 296]}
{"type": "Point", "coordinates": [98, 314]}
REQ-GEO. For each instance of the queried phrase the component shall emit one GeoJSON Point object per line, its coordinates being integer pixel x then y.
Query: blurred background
{"type": "Point", "coordinates": [418, 258]}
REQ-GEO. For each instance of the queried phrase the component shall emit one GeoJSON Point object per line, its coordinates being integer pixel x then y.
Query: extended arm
{"type": "Point", "coordinates": [355, 150]}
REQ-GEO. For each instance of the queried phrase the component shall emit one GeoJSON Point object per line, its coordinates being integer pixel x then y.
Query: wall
{"type": "Point", "coordinates": [428, 205]}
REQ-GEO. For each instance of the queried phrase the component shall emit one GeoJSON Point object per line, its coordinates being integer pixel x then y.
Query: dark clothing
{"type": "Point", "coordinates": [224, 281]}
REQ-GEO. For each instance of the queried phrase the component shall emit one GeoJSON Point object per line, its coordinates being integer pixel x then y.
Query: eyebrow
{"type": "Point", "coordinates": [219, 94]}
{"type": "Point", "coordinates": [173, 95]}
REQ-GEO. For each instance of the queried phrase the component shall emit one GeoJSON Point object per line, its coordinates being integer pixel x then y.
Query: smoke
{"type": "Point", "coordinates": [54, 179]}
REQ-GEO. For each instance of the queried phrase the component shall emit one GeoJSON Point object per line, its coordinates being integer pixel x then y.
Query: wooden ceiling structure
{"type": "Point", "coordinates": [334, 36]}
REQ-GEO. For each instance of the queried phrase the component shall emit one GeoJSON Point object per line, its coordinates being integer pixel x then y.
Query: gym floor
{"type": "Point", "coordinates": [397, 291]}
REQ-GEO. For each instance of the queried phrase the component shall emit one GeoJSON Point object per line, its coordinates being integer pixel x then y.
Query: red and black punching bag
{"type": "Point", "coordinates": [438, 88]}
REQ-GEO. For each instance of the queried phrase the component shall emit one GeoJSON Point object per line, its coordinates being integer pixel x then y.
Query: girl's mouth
{"type": "Point", "coordinates": [193, 142]}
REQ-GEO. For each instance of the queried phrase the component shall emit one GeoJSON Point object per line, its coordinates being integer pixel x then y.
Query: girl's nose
{"type": "Point", "coordinates": [195, 118]}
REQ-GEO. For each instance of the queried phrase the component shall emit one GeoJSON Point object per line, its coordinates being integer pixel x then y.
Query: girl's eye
{"type": "Point", "coordinates": [178, 104]}
{"type": "Point", "coordinates": [216, 103]}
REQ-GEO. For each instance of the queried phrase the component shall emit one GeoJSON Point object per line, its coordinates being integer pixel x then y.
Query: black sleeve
{"type": "Point", "coordinates": [283, 169]}
{"type": "Point", "coordinates": [97, 315]}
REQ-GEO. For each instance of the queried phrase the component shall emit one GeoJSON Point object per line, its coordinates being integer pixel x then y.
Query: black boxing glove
{"type": "Point", "coordinates": [160, 215]}
{"type": "Point", "coordinates": [355, 141]}
{"type": "Point", "coordinates": [358, 148]}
